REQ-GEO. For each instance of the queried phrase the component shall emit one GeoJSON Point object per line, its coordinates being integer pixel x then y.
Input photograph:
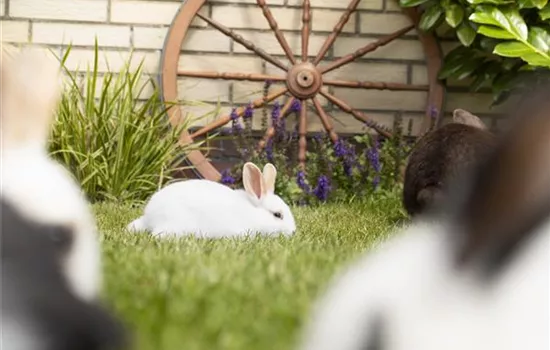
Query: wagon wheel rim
{"type": "Point", "coordinates": [303, 77]}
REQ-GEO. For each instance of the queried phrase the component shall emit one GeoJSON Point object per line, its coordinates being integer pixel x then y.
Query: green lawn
{"type": "Point", "coordinates": [234, 293]}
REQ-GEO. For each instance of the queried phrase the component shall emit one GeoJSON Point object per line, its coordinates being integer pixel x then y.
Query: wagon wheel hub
{"type": "Point", "coordinates": [303, 75]}
{"type": "Point", "coordinates": [304, 80]}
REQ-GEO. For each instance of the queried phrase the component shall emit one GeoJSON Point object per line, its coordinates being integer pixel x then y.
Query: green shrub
{"type": "Point", "coordinates": [505, 43]}
{"type": "Point", "coordinates": [116, 146]}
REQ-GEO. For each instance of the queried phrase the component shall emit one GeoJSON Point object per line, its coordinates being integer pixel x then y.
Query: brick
{"type": "Point", "coordinates": [398, 49]}
{"type": "Point", "coordinates": [220, 63]}
{"type": "Point", "coordinates": [362, 71]}
{"type": "Point", "coordinates": [192, 89]}
{"type": "Point", "coordinates": [148, 12]}
{"type": "Point", "coordinates": [15, 31]}
{"type": "Point", "coordinates": [75, 10]}
{"type": "Point", "coordinates": [325, 20]}
{"type": "Point", "coordinates": [383, 99]}
{"type": "Point", "coordinates": [247, 91]}
{"type": "Point", "coordinates": [252, 17]}
{"type": "Point", "coordinates": [419, 75]}
{"type": "Point", "coordinates": [392, 5]}
{"type": "Point", "coordinates": [385, 23]}
{"type": "Point", "coordinates": [2, 7]}
{"type": "Point", "coordinates": [112, 61]}
{"type": "Point", "coordinates": [81, 34]}
{"type": "Point", "coordinates": [269, 43]}
{"type": "Point", "coordinates": [340, 4]}
{"type": "Point", "coordinates": [206, 40]}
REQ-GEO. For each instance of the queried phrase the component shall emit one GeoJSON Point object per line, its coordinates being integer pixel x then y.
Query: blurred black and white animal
{"type": "Point", "coordinates": [472, 274]}
{"type": "Point", "coordinates": [441, 155]}
{"type": "Point", "coordinates": [51, 267]}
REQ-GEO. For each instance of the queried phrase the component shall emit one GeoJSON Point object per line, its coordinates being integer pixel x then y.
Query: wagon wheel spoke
{"type": "Point", "coordinates": [302, 131]}
{"type": "Point", "coordinates": [366, 49]}
{"type": "Point", "coordinates": [306, 19]}
{"type": "Point", "coordinates": [246, 43]}
{"type": "Point", "coordinates": [240, 111]}
{"type": "Point", "coordinates": [369, 85]}
{"type": "Point", "coordinates": [336, 31]}
{"type": "Point", "coordinates": [275, 28]}
{"type": "Point", "coordinates": [230, 75]}
{"type": "Point", "coordinates": [270, 132]}
{"type": "Point", "coordinates": [325, 120]}
{"type": "Point", "coordinates": [356, 114]}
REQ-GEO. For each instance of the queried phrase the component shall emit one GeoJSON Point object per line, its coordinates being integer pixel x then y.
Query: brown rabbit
{"type": "Point", "coordinates": [440, 155]}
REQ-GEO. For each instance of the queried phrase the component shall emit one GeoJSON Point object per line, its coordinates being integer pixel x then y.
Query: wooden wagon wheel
{"type": "Point", "coordinates": [303, 78]}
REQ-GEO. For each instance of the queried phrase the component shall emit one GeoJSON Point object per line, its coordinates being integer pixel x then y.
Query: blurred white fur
{"type": "Point", "coordinates": [41, 189]}
{"type": "Point", "coordinates": [426, 304]}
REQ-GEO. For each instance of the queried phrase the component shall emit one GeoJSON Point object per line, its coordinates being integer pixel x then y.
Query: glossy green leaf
{"type": "Point", "coordinates": [454, 14]}
{"type": "Point", "coordinates": [431, 17]}
{"type": "Point", "coordinates": [512, 49]}
{"type": "Point", "coordinates": [544, 14]}
{"type": "Point", "coordinates": [535, 59]}
{"type": "Point", "coordinates": [539, 38]}
{"type": "Point", "coordinates": [488, 44]}
{"type": "Point", "coordinates": [495, 32]}
{"type": "Point", "coordinates": [483, 16]}
{"type": "Point", "coordinates": [517, 24]}
{"type": "Point", "coordinates": [539, 3]}
{"type": "Point", "coordinates": [411, 3]}
{"type": "Point", "coordinates": [466, 34]}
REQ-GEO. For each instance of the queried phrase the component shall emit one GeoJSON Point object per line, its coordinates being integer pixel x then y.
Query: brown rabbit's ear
{"type": "Point", "coordinates": [253, 180]}
{"type": "Point", "coordinates": [462, 116]}
{"type": "Point", "coordinates": [269, 175]}
{"type": "Point", "coordinates": [509, 195]}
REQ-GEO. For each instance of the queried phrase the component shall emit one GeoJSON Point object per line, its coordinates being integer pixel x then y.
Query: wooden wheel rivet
{"type": "Point", "coordinates": [304, 80]}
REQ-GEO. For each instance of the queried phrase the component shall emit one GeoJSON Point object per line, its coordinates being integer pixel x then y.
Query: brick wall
{"type": "Point", "coordinates": [142, 26]}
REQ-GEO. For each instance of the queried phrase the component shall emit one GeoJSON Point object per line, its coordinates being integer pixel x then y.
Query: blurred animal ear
{"type": "Point", "coordinates": [253, 180]}
{"type": "Point", "coordinates": [462, 116]}
{"type": "Point", "coordinates": [30, 91]}
{"type": "Point", "coordinates": [509, 194]}
{"type": "Point", "coordinates": [269, 175]}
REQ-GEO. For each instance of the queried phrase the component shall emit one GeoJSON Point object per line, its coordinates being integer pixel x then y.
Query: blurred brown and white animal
{"type": "Point", "coordinates": [51, 268]}
{"type": "Point", "coordinates": [440, 155]}
{"type": "Point", "coordinates": [474, 274]}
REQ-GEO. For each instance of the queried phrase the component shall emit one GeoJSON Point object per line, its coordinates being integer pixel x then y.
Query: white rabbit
{"type": "Point", "coordinates": [210, 209]}
{"type": "Point", "coordinates": [51, 268]}
{"type": "Point", "coordinates": [474, 275]}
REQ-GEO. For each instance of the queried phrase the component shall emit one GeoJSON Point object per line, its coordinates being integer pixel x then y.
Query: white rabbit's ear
{"type": "Point", "coordinates": [269, 175]}
{"type": "Point", "coordinates": [253, 180]}
{"type": "Point", "coordinates": [462, 116]}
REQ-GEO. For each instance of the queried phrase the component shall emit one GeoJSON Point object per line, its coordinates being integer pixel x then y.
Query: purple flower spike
{"type": "Point", "coordinates": [249, 111]}
{"type": "Point", "coordinates": [276, 113]}
{"type": "Point", "coordinates": [301, 181]}
{"type": "Point", "coordinates": [296, 106]}
{"type": "Point", "coordinates": [340, 149]}
{"type": "Point", "coordinates": [323, 188]}
{"type": "Point", "coordinates": [234, 115]}
{"type": "Point", "coordinates": [227, 179]}
{"type": "Point", "coordinates": [269, 151]}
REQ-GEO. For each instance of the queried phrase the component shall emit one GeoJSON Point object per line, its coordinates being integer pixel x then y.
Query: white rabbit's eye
{"type": "Point", "coordinates": [278, 215]}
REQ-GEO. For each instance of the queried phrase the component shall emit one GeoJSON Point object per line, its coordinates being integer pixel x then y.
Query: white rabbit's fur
{"type": "Point", "coordinates": [210, 209]}
{"type": "Point", "coordinates": [425, 305]}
